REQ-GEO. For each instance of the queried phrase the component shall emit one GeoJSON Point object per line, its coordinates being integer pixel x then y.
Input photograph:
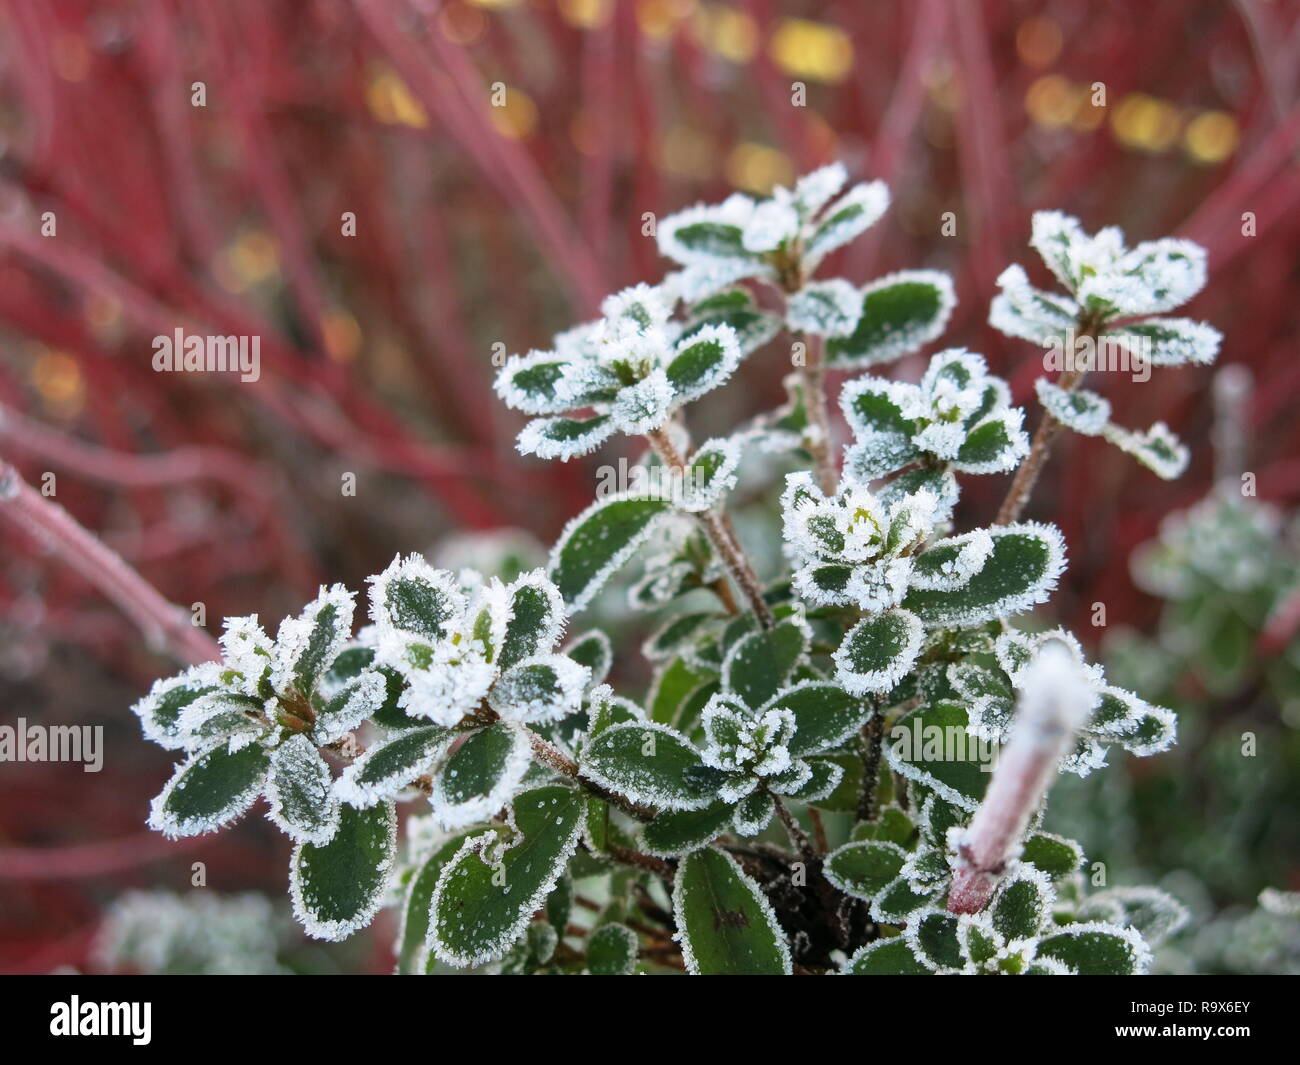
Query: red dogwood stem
{"type": "Point", "coordinates": [164, 624]}
{"type": "Point", "coordinates": [1054, 704]}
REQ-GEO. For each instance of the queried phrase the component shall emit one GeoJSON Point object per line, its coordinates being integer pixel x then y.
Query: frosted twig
{"type": "Point", "coordinates": [715, 528]}
{"type": "Point", "coordinates": [1055, 702]}
{"type": "Point", "coordinates": [163, 624]}
{"type": "Point", "coordinates": [817, 438]}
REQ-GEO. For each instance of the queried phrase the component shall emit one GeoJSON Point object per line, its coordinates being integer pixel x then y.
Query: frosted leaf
{"type": "Point", "coordinates": [210, 788]}
{"type": "Point", "coordinates": [879, 585]}
{"type": "Point", "coordinates": [593, 650]}
{"type": "Point", "coordinates": [1083, 411]}
{"type": "Point", "coordinates": [447, 691]}
{"type": "Point", "coordinates": [1022, 905]}
{"type": "Point", "coordinates": [709, 475]}
{"type": "Point", "coordinates": [481, 775]}
{"type": "Point", "coordinates": [1172, 270]}
{"type": "Point", "coordinates": [863, 869]}
{"type": "Point", "coordinates": [338, 887]}
{"type": "Point", "coordinates": [1095, 948]}
{"type": "Point", "coordinates": [824, 308]}
{"type": "Point", "coordinates": [1030, 313]}
{"type": "Point", "coordinates": [703, 234]}
{"type": "Point", "coordinates": [532, 383]}
{"type": "Point", "coordinates": [754, 813]}
{"type": "Point", "coordinates": [1170, 341]}
{"type": "Point", "coordinates": [247, 650]}
{"type": "Point", "coordinates": [566, 438]}
{"type": "Point", "coordinates": [1156, 914]}
{"type": "Point", "coordinates": [878, 652]}
{"type": "Point", "coordinates": [412, 599]}
{"type": "Point", "coordinates": [648, 763]}
{"type": "Point", "coordinates": [814, 190]}
{"type": "Point", "coordinates": [1053, 234]}
{"type": "Point", "coordinates": [772, 224]}
{"type": "Point", "coordinates": [531, 622]}
{"type": "Point", "coordinates": [932, 935]}
{"type": "Point", "coordinates": [751, 942]}
{"type": "Point", "coordinates": [643, 306]}
{"type": "Point", "coordinates": [595, 543]}
{"type": "Point", "coordinates": [387, 769]}
{"type": "Point", "coordinates": [704, 279]}
{"type": "Point", "coordinates": [701, 362]}
{"type": "Point", "coordinates": [305, 646]}
{"type": "Point", "coordinates": [349, 707]}
{"type": "Point", "coordinates": [1158, 449]}
{"type": "Point", "coordinates": [486, 896]}
{"type": "Point", "coordinates": [540, 688]}
{"type": "Point", "coordinates": [220, 714]}
{"type": "Point", "coordinates": [300, 792]}
{"type": "Point", "coordinates": [994, 445]}
{"type": "Point", "coordinates": [853, 213]}
{"type": "Point", "coordinates": [741, 741]}
{"type": "Point", "coordinates": [949, 564]}
{"type": "Point", "coordinates": [160, 710]}
{"type": "Point", "coordinates": [901, 312]}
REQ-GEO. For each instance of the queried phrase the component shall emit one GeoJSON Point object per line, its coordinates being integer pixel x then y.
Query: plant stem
{"type": "Point", "coordinates": [873, 737]}
{"type": "Point", "coordinates": [1022, 485]}
{"type": "Point", "coordinates": [550, 755]}
{"type": "Point", "coordinates": [716, 528]}
{"type": "Point", "coordinates": [658, 866]}
{"type": "Point", "coordinates": [1055, 702]}
{"type": "Point", "coordinates": [817, 437]}
{"type": "Point", "coordinates": [819, 830]}
{"type": "Point", "coordinates": [796, 833]}
{"type": "Point", "coordinates": [165, 625]}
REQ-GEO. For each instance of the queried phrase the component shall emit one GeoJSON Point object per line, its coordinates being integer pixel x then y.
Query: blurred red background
{"type": "Point", "coordinates": [477, 226]}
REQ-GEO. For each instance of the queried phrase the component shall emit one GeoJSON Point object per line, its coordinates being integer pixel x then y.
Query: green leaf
{"type": "Point", "coordinates": [598, 541]}
{"type": "Point", "coordinates": [754, 813]}
{"type": "Point", "coordinates": [711, 238]}
{"type": "Point", "coordinates": [883, 434]}
{"type": "Point", "coordinates": [760, 664]}
{"type": "Point", "coordinates": [300, 792]}
{"type": "Point", "coordinates": [726, 924]}
{"type": "Point", "coordinates": [486, 896]}
{"type": "Point", "coordinates": [1020, 573]}
{"type": "Point", "coordinates": [878, 652]}
{"type": "Point", "coordinates": [1098, 949]}
{"type": "Point", "coordinates": [1170, 341]}
{"type": "Point", "coordinates": [865, 869]}
{"type": "Point", "coordinates": [416, 599]}
{"type": "Point", "coordinates": [480, 775]}
{"type": "Point", "coordinates": [593, 650]}
{"type": "Point", "coordinates": [900, 313]}
{"type": "Point", "coordinates": [676, 832]}
{"type": "Point", "coordinates": [648, 763]}
{"type": "Point", "coordinates": [885, 957]}
{"type": "Point", "coordinates": [310, 642]}
{"type": "Point", "coordinates": [897, 902]}
{"type": "Point", "coordinates": [388, 768]}
{"type": "Point", "coordinates": [412, 948]}
{"type": "Point", "coordinates": [337, 887]}
{"type": "Point", "coordinates": [702, 362]}
{"type": "Point", "coordinates": [1054, 855]}
{"type": "Point", "coordinates": [1023, 904]}
{"type": "Point", "coordinates": [559, 904]}
{"type": "Point", "coordinates": [933, 939]}
{"type": "Point", "coordinates": [536, 614]}
{"type": "Point", "coordinates": [677, 634]}
{"type": "Point", "coordinates": [892, 825]}
{"type": "Point", "coordinates": [825, 715]}
{"type": "Point", "coordinates": [612, 950]}
{"type": "Point", "coordinates": [932, 747]}
{"type": "Point", "coordinates": [735, 308]}
{"type": "Point", "coordinates": [997, 446]}
{"type": "Point", "coordinates": [209, 789]}
{"type": "Point", "coordinates": [820, 788]}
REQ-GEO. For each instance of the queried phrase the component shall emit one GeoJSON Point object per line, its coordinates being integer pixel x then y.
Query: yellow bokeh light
{"type": "Point", "coordinates": [516, 118]}
{"type": "Point", "coordinates": [1054, 101]}
{"type": "Point", "coordinates": [1145, 123]}
{"type": "Point", "coordinates": [253, 258]}
{"type": "Point", "coordinates": [659, 18]}
{"type": "Point", "coordinates": [686, 152]}
{"type": "Point", "coordinates": [586, 14]}
{"type": "Point", "coordinates": [813, 50]}
{"type": "Point", "coordinates": [391, 102]}
{"type": "Point", "coordinates": [59, 382]}
{"type": "Point", "coordinates": [726, 32]}
{"type": "Point", "coordinates": [1211, 137]}
{"type": "Point", "coordinates": [341, 333]}
{"type": "Point", "coordinates": [498, 5]}
{"type": "Point", "coordinates": [756, 168]}
{"type": "Point", "coordinates": [1038, 41]}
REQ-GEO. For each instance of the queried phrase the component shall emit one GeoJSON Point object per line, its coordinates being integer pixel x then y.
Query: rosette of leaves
{"type": "Point", "coordinates": [958, 416]}
{"type": "Point", "coordinates": [988, 684]}
{"type": "Point", "coordinates": [255, 724]}
{"type": "Point", "coordinates": [783, 239]}
{"type": "Point", "coordinates": [478, 669]}
{"type": "Point", "coordinates": [1118, 297]}
{"type": "Point", "coordinates": [853, 550]}
{"type": "Point", "coordinates": [625, 373]}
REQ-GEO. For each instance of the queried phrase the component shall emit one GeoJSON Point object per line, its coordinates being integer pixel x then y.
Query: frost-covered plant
{"type": "Point", "coordinates": [807, 783]}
